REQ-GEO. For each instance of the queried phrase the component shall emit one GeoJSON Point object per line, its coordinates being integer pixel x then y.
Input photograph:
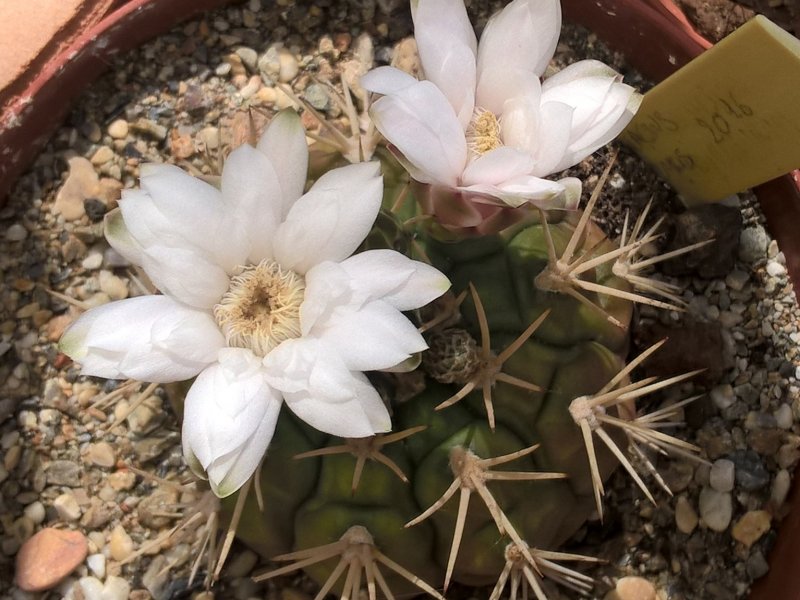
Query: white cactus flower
{"type": "Point", "coordinates": [483, 122]}
{"type": "Point", "coordinates": [262, 300]}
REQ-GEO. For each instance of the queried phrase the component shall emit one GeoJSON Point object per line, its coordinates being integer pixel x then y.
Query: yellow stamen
{"type": "Point", "coordinates": [261, 308]}
{"type": "Point", "coordinates": [483, 132]}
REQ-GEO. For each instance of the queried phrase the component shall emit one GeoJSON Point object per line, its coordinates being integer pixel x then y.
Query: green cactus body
{"type": "Point", "coordinates": [309, 502]}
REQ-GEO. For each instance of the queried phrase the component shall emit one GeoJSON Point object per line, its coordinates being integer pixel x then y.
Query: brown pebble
{"type": "Point", "coordinates": [48, 557]}
{"type": "Point", "coordinates": [632, 588]}
{"type": "Point", "coordinates": [751, 527]}
{"type": "Point", "coordinates": [57, 325]}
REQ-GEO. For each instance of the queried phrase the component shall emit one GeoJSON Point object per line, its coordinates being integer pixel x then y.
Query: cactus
{"type": "Point", "coordinates": [490, 411]}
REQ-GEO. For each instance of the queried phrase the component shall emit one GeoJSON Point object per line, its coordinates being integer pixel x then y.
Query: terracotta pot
{"type": "Point", "coordinates": [653, 34]}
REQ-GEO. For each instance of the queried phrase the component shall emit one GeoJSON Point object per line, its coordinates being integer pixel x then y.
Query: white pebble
{"type": "Point", "coordinates": [114, 286]}
{"type": "Point", "coordinates": [91, 587]}
{"type": "Point", "coordinates": [97, 565]}
{"type": "Point", "coordinates": [35, 512]}
{"type": "Point", "coordinates": [67, 507]}
{"type": "Point", "coordinates": [783, 416]}
{"type": "Point", "coordinates": [780, 487]}
{"type": "Point", "coordinates": [93, 261]}
{"type": "Point", "coordinates": [775, 269]}
{"type": "Point", "coordinates": [721, 475]}
{"type": "Point", "coordinates": [116, 588]}
{"type": "Point", "coordinates": [16, 233]}
{"type": "Point", "coordinates": [716, 509]}
{"type": "Point", "coordinates": [288, 66]}
{"type": "Point", "coordinates": [722, 396]}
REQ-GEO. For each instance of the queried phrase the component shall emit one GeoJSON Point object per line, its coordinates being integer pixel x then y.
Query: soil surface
{"type": "Point", "coordinates": [717, 18]}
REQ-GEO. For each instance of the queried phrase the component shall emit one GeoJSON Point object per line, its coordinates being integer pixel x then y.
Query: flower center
{"type": "Point", "coordinates": [261, 307]}
{"type": "Point", "coordinates": [483, 132]}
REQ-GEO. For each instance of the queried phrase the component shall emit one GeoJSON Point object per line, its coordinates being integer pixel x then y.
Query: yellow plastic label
{"type": "Point", "coordinates": [728, 120]}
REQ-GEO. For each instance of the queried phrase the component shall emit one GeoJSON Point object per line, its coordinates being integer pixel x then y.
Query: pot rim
{"type": "Point", "coordinates": [29, 119]}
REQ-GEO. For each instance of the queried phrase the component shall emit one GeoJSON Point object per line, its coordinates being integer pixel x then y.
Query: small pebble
{"type": "Point", "coordinates": [721, 476]}
{"type": "Point", "coordinates": [775, 269]}
{"type": "Point", "coordinates": [249, 58]}
{"type": "Point", "coordinates": [753, 244]}
{"type": "Point", "coordinates": [716, 509]}
{"type": "Point", "coordinates": [120, 543]}
{"type": "Point", "coordinates": [122, 480]}
{"type": "Point", "coordinates": [35, 512]}
{"type": "Point", "coordinates": [632, 588]}
{"type": "Point", "coordinates": [97, 564]}
{"type": "Point", "coordinates": [756, 565]}
{"type": "Point", "coordinates": [63, 472]}
{"type": "Point", "coordinates": [751, 474]}
{"type": "Point", "coordinates": [102, 155]}
{"type": "Point", "coordinates": [780, 487]}
{"type": "Point", "coordinates": [95, 209]}
{"type": "Point", "coordinates": [686, 518]}
{"type": "Point", "coordinates": [115, 287]}
{"type": "Point", "coordinates": [317, 96]}
{"type": "Point", "coordinates": [289, 66]}
{"type": "Point", "coordinates": [118, 129]}
{"type": "Point", "coordinates": [722, 396]}
{"type": "Point", "coordinates": [737, 279]}
{"type": "Point", "coordinates": [93, 261]}
{"type": "Point", "coordinates": [150, 128]}
{"type": "Point", "coordinates": [116, 588]}
{"type": "Point", "coordinates": [48, 557]}
{"type": "Point", "coordinates": [91, 588]}
{"type": "Point", "coordinates": [749, 529]}
{"type": "Point", "coordinates": [16, 233]}
{"type": "Point", "coordinates": [101, 454]}
{"type": "Point", "coordinates": [82, 183]}
{"type": "Point", "coordinates": [67, 507]}
{"type": "Point", "coordinates": [783, 416]}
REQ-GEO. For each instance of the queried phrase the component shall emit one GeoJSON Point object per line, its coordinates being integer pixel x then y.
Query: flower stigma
{"type": "Point", "coordinates": [483, 132]}
{"type": "Point", "coordinates": [261, 308]}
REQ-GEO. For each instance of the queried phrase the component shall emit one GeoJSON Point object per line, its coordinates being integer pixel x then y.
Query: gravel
{"type": "Point", "coordinates": [187, 97]}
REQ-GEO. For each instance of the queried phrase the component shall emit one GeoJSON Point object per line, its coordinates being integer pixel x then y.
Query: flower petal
{"type": "Point", "coordinates": [363, 415]}
{"type": "Point", "coordinates": [191, 210]}
{"type": "Point", "coordinates": [521, 36]}
{"type": "Point", "coordinates": [497, 166]}
{"type": "Point", "coordinates": [149, 338]}
{"type": "Point", "coordinates": [521, 190]}
{"type": "Point", "coordinates": [386, 275]}
{"type": "Point", "coordinates": [498, 86]}
{"type": "Point", "coordinates": [284, 143]}
{"type": "Point", "coordinates": [577, 152]}
{"type": "Point", "coordinates": [544, 131]}
{"type": "Point", "coordinates": [318, 388]}
{"type": "Point", "coordinates": [185, 275]}
{"type": "Point", "coordinates": [447, 45]}
{"type": "Point", "coordinates": [120, 238]}
{"type": "Point", "coordinates": [386, 80]}
{"type": "Point", "coordinates": [251, 188]}
{"type": "Point", "coordinates": [185, 269]}
{"type": "Point", "coordinates": [390, 276]}
{"type": "Point", "coordinates": [372, 337]}
{"type": "Point", "coordinates": [420, 122]}
{"type": "Point", "coordinates": [229, 418]}
{"type": "Point", "coordinates": [603, 105]}
{"type": "Point", "coordinates": [332, 219]}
